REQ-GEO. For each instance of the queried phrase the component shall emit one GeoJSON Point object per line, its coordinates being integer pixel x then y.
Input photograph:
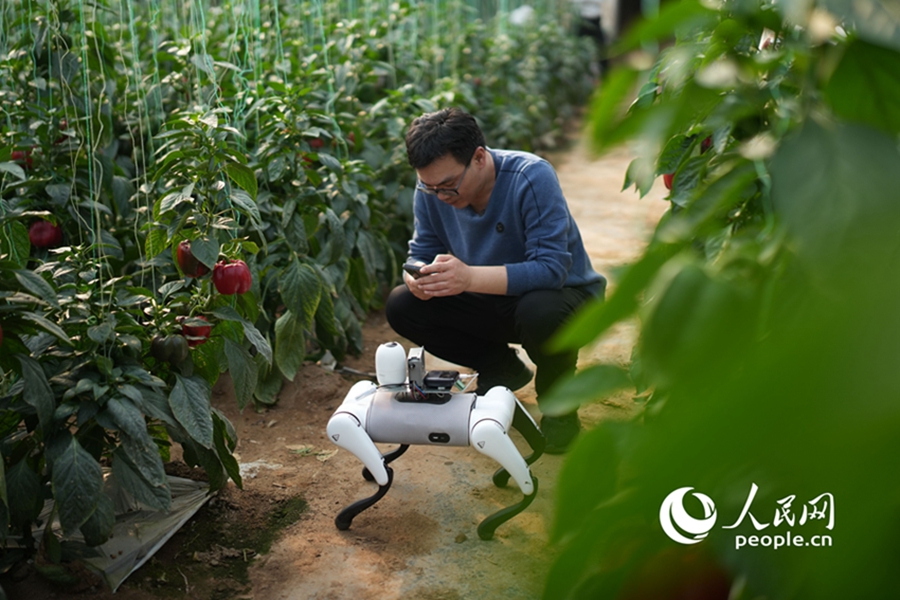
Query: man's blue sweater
{"type": "Point", "coordinates": [527, 227]}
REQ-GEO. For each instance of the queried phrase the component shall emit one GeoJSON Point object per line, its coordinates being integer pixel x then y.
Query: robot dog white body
{"type": "Point", "coordinates": [399, 410]}
{"type": "Point", "coordinates": [371, 414]}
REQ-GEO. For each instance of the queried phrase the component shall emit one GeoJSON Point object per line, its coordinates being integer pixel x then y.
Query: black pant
{"type": "Point", "coordinates": [475, 330]}
{"type": "Point", "coordinates": [592, 28]}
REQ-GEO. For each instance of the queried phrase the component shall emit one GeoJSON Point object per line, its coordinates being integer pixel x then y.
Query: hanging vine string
{"type": "Point", "coordinates": [241, 33]}
{"type": "Point", "coordinates": [94, 226]}
{"type": "Point", "coordinates": [145, 102]}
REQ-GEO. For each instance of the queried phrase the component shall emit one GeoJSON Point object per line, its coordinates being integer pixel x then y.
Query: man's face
{"type": "Point", "coordinates": [446, 179]}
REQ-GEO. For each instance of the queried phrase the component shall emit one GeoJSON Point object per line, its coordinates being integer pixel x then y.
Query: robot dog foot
{"type": "Point", "coordinates": [491, 523]}
{"type": "Point", "coordinates": [346, 516]}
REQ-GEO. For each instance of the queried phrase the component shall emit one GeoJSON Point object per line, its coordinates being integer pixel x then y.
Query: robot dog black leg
{"type": "Point", "coordinates": [345, 517]}
{"type": "Point", "coordinates": [491, 523]}
{"type": "Point", "coordinates": [524, 424]}
{"type": "Point", "coordinates": [388, 459]}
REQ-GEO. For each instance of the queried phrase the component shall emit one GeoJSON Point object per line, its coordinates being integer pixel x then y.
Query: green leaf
{"type": "Point", "coordinates": [206, 250]}
{"type": "Point", "coordinates": [696, 324]}
{"type": "Point", "coordinates": [156, 405]}
{"type": "Point", "coordinates": [210, 119]}
{"type": "Point", "coordinates": [331, 162]}
{"type": "Point", "coordinates": [353, 331]}
{"type": "Point", "coordinates": [290, 344]}
{"type": "Point", "coordinates": [225, 456]}
{"type": "Point", "coordinates": [647, 95]}
{"type": "Point", "coordinates": [173, 199]}
{"type": "Point", "coordinates": [295, 234]}
{"type": "Point", "coordinates": [132, 393]}
{"type": "Point", "coordinates": [244, 177]}
{"type": "Point", "coordinates": [169, 159]}
{"type": "Point", "coordinates": [155, 242]}
{"type": "Point", "coordinates": [593, 383]}
{"type": "Point", "coordinates": [833, 188]}
{"type": "Point", "coordinates": [603, 534]}
{"type": "Point", "coordinates": [243, 372]}
{"type": "Point", "coordinates": [25, 498]}
{"type": "Point", "coordinates": [126, 473]}
{"type": "Point", "coordinates": [48, 325]}
{"type": "Point", "coordinates": [127, 416]}
{"type": "Point", "coordinates": [275, 168]}
{"type": "Point", "coordinates": [123, 190]}
{"type": "Point", "coordinates": [337, 238]}
{"type": "Point", "coordinates": [673, 154]}
{"type": "Point", "coordinates": [270, 382]}
{"type": "Point", "coordinates": [325, 315]}
{"type": "Point", "coordinates": [876, 22]}
{"type": "Point", "coordinates": [607, 108]}
{"type": "Point", "coordinates": [37, 392]}
{"type": "Point", "coordinates": [14, 169]}
{"type": "Point", "coordinates": [250, 331]}
{"type": "Point", "coordinates": [143, 453]}
{"type": "Point", "coordinates": [36, 284]}
{"type": "Point", "coordinates": [194, 454]}
{"type": "Point", "coordinates": [245, 204]}
{"type": "Point", "coordinates": [77, 482]}
{"type": "Point", "coordinates": [59, 192]}
{"type": "Point", "coordinates": [226, 313]}
{"type": "Point", "coordinates": [259, 342]}
{"type": "Point", "coordinates": [14, 243]}
{"type": "Point", "coordinates": [704, 211]}
{"type": "Point", "coordinates": [687, 179]}
{"type": "Point", "coordinates": [109, 245]}
{"type": "Point", "coordinates": [640, 174]}
{"type": "Point", "coordinates": [102, 333]}
{"type": "Point", "coordinates": [189, 400]}
{"type": "Point", "coordinates": [362, 284]}
{"type": "Point", "coordinates": [597, 316]}
{"type": "Point", "coordinates": [370, 251]}
{"type": "Point", "coordinates": [865, 86]}
{"type": "Point", "coordinates": [97, 529]}
{"type": "Point", "coordinates": [587, 478]}
{"type": "Point", "coordinates": [301, 290]}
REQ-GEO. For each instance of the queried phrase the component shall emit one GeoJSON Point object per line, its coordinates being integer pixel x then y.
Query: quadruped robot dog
{"type": "Point", "coordinates": [412, 406]}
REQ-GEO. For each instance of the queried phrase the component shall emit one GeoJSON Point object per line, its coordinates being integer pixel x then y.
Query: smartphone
{"type": "Point", "coordinates": [413, 269]}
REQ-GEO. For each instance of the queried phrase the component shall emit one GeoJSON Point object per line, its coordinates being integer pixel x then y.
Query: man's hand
{"type": "Point", "coordinates": [449, 276]}
{"type": "Point", "coordinates": [446, 276]}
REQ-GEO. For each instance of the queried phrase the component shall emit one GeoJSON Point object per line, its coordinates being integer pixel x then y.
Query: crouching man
{"type": "Point", "coordinates": [503, 261]}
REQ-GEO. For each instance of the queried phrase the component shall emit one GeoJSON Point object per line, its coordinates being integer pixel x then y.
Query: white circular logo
{"type": "Point", "coordinates": [673, 517]}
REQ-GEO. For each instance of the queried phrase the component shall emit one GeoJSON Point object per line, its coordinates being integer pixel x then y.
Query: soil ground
{"type": "Point", "coordinates": [276, 538]}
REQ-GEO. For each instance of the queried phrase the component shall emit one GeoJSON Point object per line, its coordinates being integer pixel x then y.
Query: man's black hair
{"type": "Point", "coordinates": [448, 131]}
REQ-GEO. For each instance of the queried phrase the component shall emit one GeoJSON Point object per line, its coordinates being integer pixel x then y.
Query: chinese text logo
{"type": "Point", "coordinates": [683, 528]}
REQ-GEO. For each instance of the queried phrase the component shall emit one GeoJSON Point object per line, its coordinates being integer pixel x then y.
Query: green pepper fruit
{"type": "Point", "coordinates": [177, 348]}
{"type": "Point", "coordinates": [158, 349]}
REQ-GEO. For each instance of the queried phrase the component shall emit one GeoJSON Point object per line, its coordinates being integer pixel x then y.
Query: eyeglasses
{"type": "Point", "coordinates": [432, 191]}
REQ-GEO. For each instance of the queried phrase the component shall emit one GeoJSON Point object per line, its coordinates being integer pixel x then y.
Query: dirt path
{"type": "Point", "coordinates": [420, 540]}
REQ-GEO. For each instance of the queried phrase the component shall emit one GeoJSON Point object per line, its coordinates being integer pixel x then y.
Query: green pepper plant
{"type": "Point", "coordinates": [764, 366]}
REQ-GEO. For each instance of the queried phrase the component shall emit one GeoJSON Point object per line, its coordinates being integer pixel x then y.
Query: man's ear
{"type": "Point", "coordinates": [480, 156]}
